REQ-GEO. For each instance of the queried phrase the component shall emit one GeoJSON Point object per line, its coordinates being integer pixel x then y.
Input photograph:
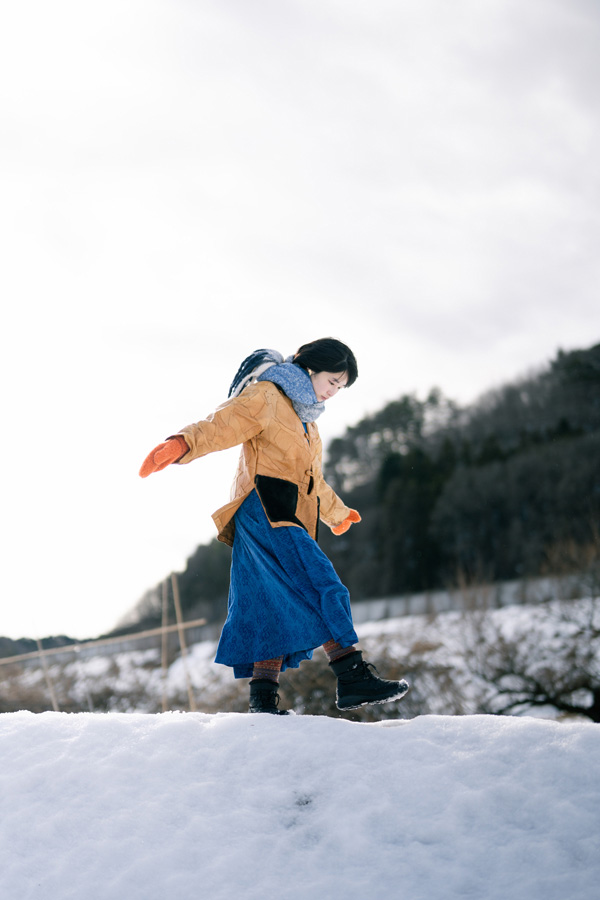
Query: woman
{"type": "Point", "coordinates": [285, 597]}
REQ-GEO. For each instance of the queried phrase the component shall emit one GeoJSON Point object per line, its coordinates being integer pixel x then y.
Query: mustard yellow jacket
{"type": "Point", "coordinates": [278, 458]}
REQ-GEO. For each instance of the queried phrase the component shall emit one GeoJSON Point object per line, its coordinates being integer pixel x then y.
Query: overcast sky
{"type": "Point", "coordinates": [183, 182]}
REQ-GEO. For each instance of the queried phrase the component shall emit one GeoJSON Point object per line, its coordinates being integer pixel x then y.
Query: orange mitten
{"type": "Point", "coordinates": [163, 455]}
{"type": "Point", "coordinates": [352, 516]}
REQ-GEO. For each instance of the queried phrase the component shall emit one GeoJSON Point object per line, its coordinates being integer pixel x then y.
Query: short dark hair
{"type": "Point", "coordinates": [328, 355]}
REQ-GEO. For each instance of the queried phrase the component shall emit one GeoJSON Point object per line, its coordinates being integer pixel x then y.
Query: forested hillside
{"type": "Point", "coordinates": [506, 488]}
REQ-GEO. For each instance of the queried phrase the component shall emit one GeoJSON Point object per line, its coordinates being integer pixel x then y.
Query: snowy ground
{"type": "Point", "coordinates": [189, 805]}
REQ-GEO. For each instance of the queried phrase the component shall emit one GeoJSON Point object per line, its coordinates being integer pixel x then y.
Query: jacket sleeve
{"type": "Point", "coordinates": [233, 422]}
{"type": "Point", "coordinates": [333, 510]}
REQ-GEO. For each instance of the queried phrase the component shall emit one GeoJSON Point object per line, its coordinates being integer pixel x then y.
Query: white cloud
{"type": "Point", "coordinates": [182, 183]}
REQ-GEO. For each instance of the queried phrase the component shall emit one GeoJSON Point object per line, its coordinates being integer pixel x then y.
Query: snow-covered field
{"type": "Point", "coordinates": [447, 658]}
{"type": "Point", "coordinates": [189, 805]}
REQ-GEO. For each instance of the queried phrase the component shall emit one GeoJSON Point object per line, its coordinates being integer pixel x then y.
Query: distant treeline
{"type": "Point", "coordinates": [508, 487]}
{"type": "Point", "coordinates": [10, 647]}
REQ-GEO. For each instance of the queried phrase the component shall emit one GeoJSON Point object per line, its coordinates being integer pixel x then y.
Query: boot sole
{"type": "Point", "coordinates": [352, 704]}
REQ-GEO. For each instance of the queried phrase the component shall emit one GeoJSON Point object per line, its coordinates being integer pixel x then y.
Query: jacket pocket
{"type": "Point", "coordinates": [279, 499]}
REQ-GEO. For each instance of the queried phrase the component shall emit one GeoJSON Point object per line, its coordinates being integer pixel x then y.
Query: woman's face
{"type": "Point", "coordinates": [327, 384]}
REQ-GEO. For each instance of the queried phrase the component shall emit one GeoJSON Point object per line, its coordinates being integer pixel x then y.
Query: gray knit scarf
{"type": "Point", "coordinates": [269, 365]}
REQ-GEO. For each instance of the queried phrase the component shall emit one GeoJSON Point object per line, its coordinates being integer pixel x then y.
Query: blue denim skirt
{"type": "Point", "coordinates": [285, 597]}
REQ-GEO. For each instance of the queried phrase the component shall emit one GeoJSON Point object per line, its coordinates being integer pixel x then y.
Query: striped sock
{"type": "Point", "coordinates": [335, 651]}
{"type": "Point", "coordinates": [268, 669]}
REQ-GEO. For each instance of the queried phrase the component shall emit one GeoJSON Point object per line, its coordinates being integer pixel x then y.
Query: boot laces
{"type": "Point", "coordinates": [358, 672]}
{"type": "Point", "coordinates": [370, 670]}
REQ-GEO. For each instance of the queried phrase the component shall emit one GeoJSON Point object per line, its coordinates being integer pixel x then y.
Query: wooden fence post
{"type": "Point", "coordinates": [181, 632]}
{"type": "Point", "coordinates": [165, 643]}
{"type": "Point", "coordinates": [49, 684]}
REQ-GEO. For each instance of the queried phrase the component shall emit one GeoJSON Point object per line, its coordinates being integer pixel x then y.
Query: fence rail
{"type": "Point", "coordinates": [103, 642]}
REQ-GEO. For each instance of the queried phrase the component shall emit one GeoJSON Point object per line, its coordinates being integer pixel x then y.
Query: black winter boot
{"type": "Point", "coordinates": [264, 698]}
{"type": "Point", "coordinates": [357, 684]}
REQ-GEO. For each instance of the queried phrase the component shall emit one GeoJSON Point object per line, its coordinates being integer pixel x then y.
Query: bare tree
{"type": "Point", "coordinates": [551, 658]}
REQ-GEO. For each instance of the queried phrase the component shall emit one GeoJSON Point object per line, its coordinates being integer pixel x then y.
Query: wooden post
{"type": "Point", "coordinates": [49, 684]}
{"type": "Point", "coordinates": [181, 632]}
{"type": "Point", "coordinates": [165, 643]}
{"type": "Point", "coordinates": [83, 676]}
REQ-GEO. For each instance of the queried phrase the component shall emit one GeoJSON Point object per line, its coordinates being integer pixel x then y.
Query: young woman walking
{"type": "Point", "coordinates": [285, 598]}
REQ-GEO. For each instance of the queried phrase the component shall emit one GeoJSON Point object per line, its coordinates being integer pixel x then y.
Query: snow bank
{"type": "Point", "coordinates": [190, 805]}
